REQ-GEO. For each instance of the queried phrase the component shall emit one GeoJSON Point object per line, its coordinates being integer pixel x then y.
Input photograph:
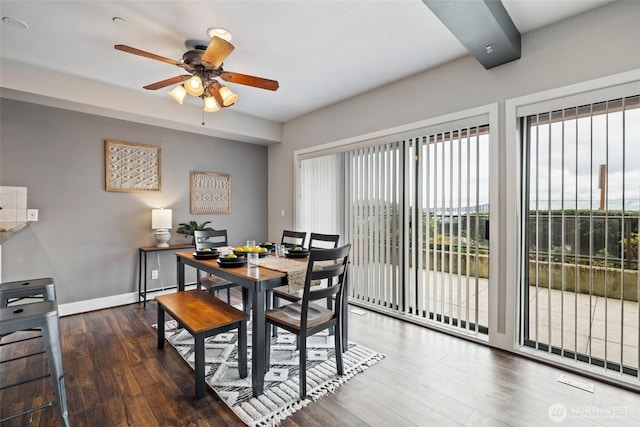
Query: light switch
{"type": "Point", "coordinates": [282, 213]}
{"type": "Point", "coordinates": [32, 214]}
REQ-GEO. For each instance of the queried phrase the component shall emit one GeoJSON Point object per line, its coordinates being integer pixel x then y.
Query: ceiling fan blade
{"type": "Point", "coordinates": [217, 52]}
{"type": "Point", "coordinates": [243, 79]}
{"type": "Point", "coordinates": [167, 82]}
{"type": "Point", "coordinates": [135, 51]}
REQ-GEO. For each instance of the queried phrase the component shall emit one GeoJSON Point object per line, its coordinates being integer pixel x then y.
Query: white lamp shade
{"type": "Point", "coordinates": [178, 93]}
{"type": "Point", "coordinates": [160, 219]}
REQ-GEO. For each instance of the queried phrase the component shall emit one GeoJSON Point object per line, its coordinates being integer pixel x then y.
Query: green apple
{"type": "Point", "coordinates": [205, 250]}
{"type": "Point", "coordinates": [263, 250]}
{"type": "Point", "coordinates": [232, 256]}
{"type": "Point", "coordinates": [267, 243]}
{"type": "Point", "coordinates": [297, 248]}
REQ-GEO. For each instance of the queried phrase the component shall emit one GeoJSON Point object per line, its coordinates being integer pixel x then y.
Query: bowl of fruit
{"type": "Point", "coordinates": [244, 250]}
{"type": "Point", "coordinates": [232, 260]}
{"type": "Point", "coordinates": [206, 253]}
{"type": "Point", "coordinates": [269, 245]}
{"type": "Point", "coordinates": [297, 252]}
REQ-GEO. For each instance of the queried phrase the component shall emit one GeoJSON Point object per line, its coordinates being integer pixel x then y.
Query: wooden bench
{"type": "Point", "coordinates": [203, 315]}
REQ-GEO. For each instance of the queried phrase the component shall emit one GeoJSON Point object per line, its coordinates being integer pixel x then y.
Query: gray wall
{"type": "Point", "coordinates": [87, 238]}
{"type": "Point", "coordinates": [598, 43]}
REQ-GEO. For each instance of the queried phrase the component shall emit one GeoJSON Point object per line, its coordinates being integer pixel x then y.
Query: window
{"type": "Point", "coordinates": [582, 214]}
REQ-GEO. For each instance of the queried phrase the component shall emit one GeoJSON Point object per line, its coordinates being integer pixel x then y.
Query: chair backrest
{"type": "Point", "coordinates": [210, 239]}
{"type": "Point", "coordinates": [323, 241]}
{"type": "Point", "coordinates": [293, 238]}
{"type": "Point", "coordinates": [330, 267]}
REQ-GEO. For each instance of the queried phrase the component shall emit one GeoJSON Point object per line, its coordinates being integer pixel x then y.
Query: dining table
{"type": "Point", "coordinates": [256, 281]}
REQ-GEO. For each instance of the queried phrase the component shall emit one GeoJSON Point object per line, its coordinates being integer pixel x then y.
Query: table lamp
{"type": "Point", "coordinates": [161, 222]}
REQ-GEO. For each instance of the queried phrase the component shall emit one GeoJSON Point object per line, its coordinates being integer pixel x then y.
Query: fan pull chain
{"type": "Point", "coordinates": [202, 117]}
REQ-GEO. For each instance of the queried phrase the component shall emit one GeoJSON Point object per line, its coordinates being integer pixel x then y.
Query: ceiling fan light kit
{"type": "Point", "coordinates": [205, 66]}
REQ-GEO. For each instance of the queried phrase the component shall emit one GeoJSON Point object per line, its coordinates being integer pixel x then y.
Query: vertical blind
{"type": "Point", "coordinates": [582, 199]}
{"type": "Point", "coordinates": [416, 213]}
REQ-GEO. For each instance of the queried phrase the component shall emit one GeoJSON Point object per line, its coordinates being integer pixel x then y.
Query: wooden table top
{"type": "Point", "coordinates": [245, 272]}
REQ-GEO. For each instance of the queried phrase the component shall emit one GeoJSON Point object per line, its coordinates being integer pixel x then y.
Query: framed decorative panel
{"type": "Point", "coordinates": [210, 193]}
{"type": "Point", "coordinates": [131, 167]}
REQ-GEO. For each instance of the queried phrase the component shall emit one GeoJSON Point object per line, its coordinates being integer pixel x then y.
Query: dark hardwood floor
{"type": "Point", "coordinates": [115, 376]}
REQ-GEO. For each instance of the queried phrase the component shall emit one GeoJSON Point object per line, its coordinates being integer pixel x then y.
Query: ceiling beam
{"type": "Point", "coordinates": [484, 27]}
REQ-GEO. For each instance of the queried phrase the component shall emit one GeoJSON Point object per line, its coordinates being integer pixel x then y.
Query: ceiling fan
{"type": "Point", "coordinates": [204, 65]}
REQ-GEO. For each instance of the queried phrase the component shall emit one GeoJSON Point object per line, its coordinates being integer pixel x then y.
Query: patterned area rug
{"type": "Point", "coordinates": [280, 398]}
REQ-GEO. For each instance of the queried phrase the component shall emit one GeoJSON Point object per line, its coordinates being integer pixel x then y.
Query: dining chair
{"type": "Point", "coordinates": [293, 238]}
{"type": "Point", "coordinates": [323, 241]}
{"type": "Point", "coordinates": [316, 241]}
{"type": "Point", "coordinates": [305, 318]}
{"type": "Point", "coordinates": [213, 239]}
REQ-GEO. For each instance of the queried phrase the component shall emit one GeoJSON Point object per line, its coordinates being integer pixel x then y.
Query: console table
{"type": "Point", "coordinates": [142, 255]}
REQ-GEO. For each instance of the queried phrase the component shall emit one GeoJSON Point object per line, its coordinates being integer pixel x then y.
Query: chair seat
{"type": "Point", "coordinates": [289, 315]}
{"type": "Point", "coordinates": [214, 282]}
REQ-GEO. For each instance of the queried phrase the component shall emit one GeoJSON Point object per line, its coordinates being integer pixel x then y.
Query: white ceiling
{"type": "Point", "coordinates": [321, 52]}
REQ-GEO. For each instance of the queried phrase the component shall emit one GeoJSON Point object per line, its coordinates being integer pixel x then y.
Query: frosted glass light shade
{"type": "Point", "coordinates": [210, 105]}
{"type": "Point", "coordinates": [228, 97]}
{"type": "Point", "coordinates": [194, 86]}
{"type": "Point", "coordinates": [178, 93]}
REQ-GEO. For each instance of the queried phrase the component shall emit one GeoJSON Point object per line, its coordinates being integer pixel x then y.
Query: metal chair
{"type": "Point", "coordinates": [305, 318]}
{"type": "Point", "coordinates": [42, 315]}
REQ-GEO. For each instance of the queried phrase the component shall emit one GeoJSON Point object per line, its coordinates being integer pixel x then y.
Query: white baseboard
{"type": "Point", "coordinates": [107, 302]}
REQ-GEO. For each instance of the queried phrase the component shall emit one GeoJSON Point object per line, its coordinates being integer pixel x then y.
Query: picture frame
{"type": "Point", "coordinates": [210, 193]}
{"type": "Point", "coordinates": [131, 167]}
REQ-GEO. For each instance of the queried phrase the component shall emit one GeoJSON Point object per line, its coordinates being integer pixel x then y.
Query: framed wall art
{"type": "Point", "coordinates": [210, 193]}
{"type": "Point", "coordinates": [131, 167]}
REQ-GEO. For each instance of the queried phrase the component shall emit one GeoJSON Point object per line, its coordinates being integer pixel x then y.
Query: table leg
{"type": "Point", "coordinates": [139, 274]}
{"type": "Point", "coordinates": [180, 275]}
{"type": "Point", "coordinates": [258, 343]}
{"type": "Point", "coordinates": [144, 295]}
{"type": "Point", "coordinates": [160, 326]}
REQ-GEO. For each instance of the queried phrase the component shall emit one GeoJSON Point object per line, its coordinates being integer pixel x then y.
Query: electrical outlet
{"type": "Point", "coordinates": [32, 214]}
{"type": "Point", "coordinates": [154, 274]}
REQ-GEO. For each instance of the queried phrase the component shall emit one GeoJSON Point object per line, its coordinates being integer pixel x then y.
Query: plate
{"type": "Point", "coordinates": [238, 262]}
{"type": "Point", "coordinates": [206, 255]}
{"type": "Point", "coordinates": [260, 254]}
{"type": "Point", "coordinates": [297, 254]}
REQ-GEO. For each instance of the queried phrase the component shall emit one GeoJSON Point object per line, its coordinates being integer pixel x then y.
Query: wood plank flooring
{"type": "Point", "coordinates": [115, 376]}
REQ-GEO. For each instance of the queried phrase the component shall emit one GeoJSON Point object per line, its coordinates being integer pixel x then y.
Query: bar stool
{"type": "Point", "coordinates": [21, 289]}
{"type": "Point", "coordinates": [38, 315]}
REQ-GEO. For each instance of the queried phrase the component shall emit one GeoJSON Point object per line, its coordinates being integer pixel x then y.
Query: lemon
{"type": "Point", "coordinates": [263, 250]}
{"type": "Point", "coordinates": [238, 248]}
{"type": "Point", "coordinates": [246, 249]}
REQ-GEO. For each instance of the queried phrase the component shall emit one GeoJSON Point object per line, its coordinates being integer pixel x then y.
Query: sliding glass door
{"type": "Point", "coordinates": [416, 209]}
